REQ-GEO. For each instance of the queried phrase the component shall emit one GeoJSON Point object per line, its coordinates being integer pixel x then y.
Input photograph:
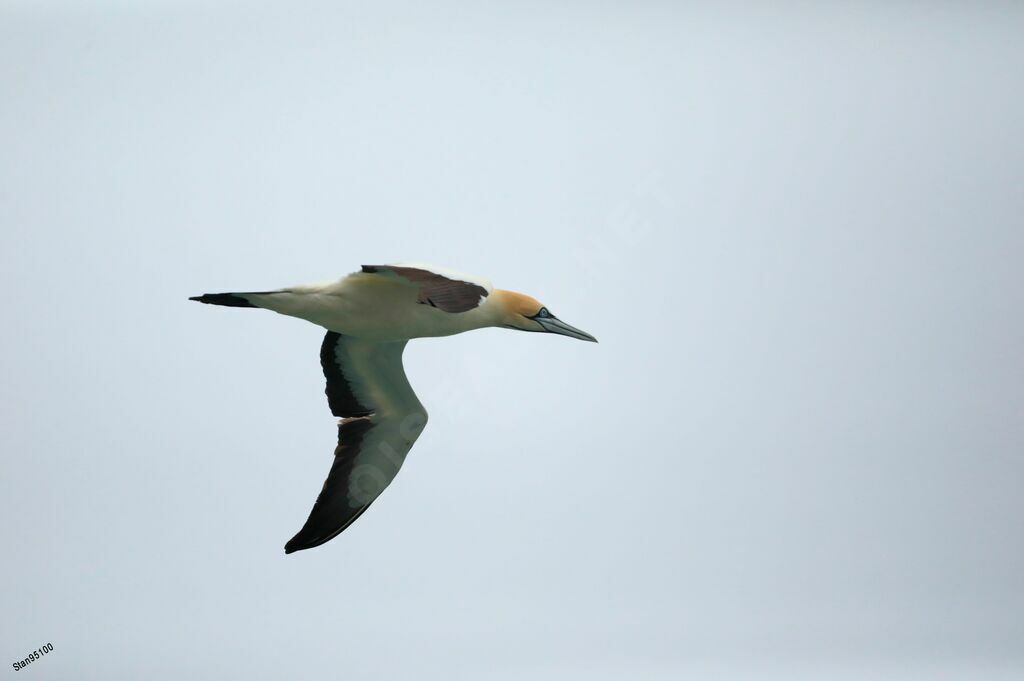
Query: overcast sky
{"type": "Point", "coordinates": [795, 453]}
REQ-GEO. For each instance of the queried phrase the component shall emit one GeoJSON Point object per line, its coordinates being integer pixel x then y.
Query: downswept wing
{"type": "Point", "coordinates": [381, 419]}
{"type": "Point", "coordinates": [443, 289]}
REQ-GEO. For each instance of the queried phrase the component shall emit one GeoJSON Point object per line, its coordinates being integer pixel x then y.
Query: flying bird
{"type": "Point", "coordinates": [369, 316]}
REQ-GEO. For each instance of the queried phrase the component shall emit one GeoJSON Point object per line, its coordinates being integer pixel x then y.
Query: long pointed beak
{"type": "Point", "coordinates": [555, 325]}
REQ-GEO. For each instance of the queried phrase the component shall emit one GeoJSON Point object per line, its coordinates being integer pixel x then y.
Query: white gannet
{"type": "Point", "coordinates": [369, 316]}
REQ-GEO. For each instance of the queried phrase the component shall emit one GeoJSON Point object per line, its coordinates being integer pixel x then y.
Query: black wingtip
{"type": "Point", "coordinates": [228, 299]}
{"type": "Point", "coordinates": [293, 545]}
{"type": "Point", "coordinates": [302, 541]}
{"type": "Point", "coordinates": [311, 535]}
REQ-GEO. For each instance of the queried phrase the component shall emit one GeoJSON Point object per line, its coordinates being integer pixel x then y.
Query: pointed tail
{"type": "Point", "coordinates": [229, 299]}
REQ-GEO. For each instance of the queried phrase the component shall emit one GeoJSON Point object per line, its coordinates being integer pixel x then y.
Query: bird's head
{"type": "Point", "coordinates": [520, 311]}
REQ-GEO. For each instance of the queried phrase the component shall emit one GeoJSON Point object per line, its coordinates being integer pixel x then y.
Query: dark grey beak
{"type": "Point", "coordinates": [556, 325]}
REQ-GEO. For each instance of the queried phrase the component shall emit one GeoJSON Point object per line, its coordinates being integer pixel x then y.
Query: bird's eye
{"type": "Point", "coordinates": [543, 312]}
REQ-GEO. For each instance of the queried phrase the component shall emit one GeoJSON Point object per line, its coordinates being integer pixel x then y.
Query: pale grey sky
{"type": "Point", "coordinates": [796, 452]}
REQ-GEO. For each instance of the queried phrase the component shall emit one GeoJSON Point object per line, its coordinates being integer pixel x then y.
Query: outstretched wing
{"type": "Point", "coordinates": [440, 288]}
{"type": "Point", "coordinates": [381, 419]}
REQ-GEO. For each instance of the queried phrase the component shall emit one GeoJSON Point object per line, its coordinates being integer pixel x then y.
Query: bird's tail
{"type": "Point", "coordinates": [284, 301]}
{"type": "Point", "coordinates": [229, 299]}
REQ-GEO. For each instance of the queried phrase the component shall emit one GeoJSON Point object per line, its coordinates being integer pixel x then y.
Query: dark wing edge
{"type": "Point", "coordinates": [340, 397]}
{"type": "Point", "coordinates": [437, 290]}
{"type": "Point", "coordinates": [331, 513]}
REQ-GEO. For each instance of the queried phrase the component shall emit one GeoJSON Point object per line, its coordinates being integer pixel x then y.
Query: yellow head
{"type": "Point", "coordinates": [520, 311]}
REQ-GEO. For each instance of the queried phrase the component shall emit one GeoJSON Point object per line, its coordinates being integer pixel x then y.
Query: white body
{"type": "Point", "coordinates": [377, 308]}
